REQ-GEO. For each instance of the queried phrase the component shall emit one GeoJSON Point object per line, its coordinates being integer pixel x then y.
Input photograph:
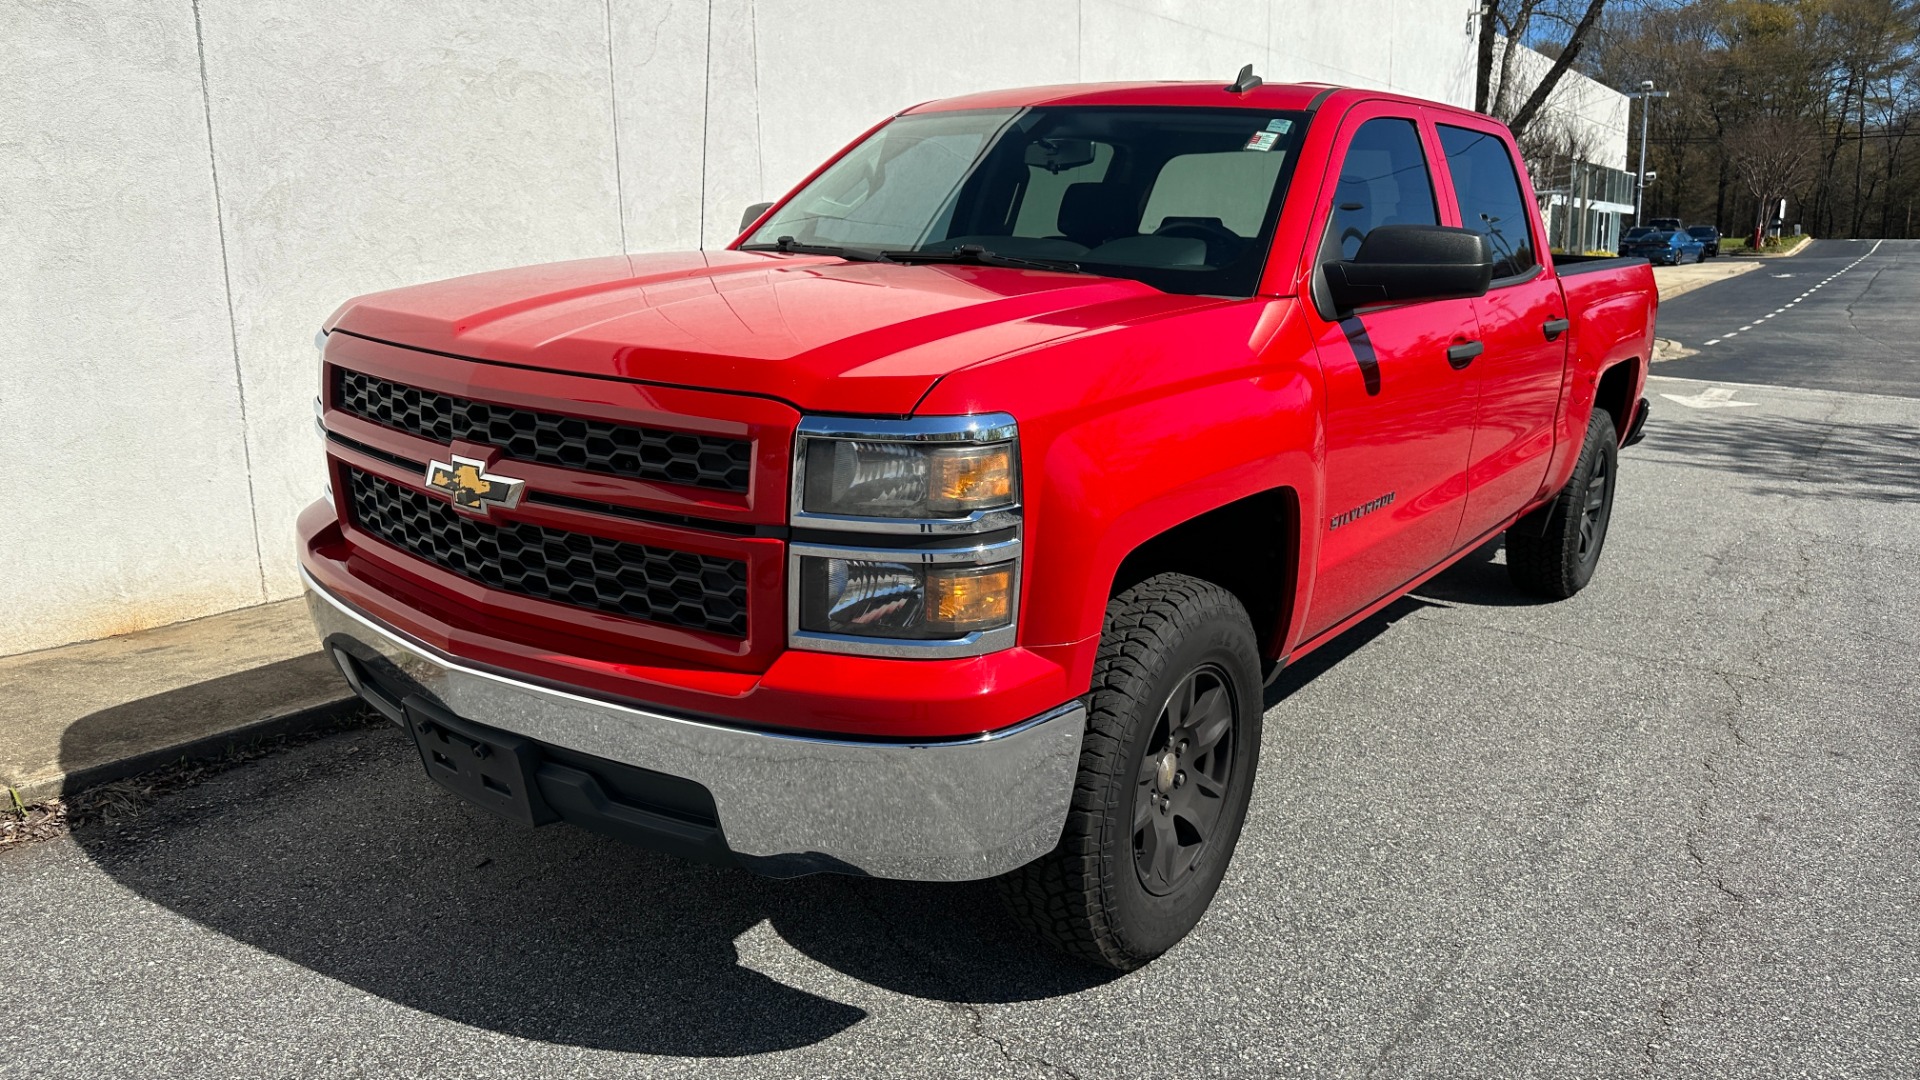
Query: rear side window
{"type": "Point", "coordinates": [1383, 181]}
{"type": "Point", "coordinates": [1490, 200]}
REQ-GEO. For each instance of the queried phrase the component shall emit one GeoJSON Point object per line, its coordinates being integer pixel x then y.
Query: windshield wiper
{"type": "Point", "coordinates": [787, 245]}
{"type": "Point", "coordinates": [974, 253]}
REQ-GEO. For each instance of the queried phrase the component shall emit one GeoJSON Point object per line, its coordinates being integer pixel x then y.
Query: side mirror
{"type": "Point", "coordinates": [1399, 264]}
{"type": "Point", "coordinates": [753, 214]}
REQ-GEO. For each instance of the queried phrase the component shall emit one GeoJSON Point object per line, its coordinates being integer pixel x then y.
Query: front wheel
{"type": "Point", "coordinates": [1553, 551]}
{"type": "Point", "coordinates": [1166, 769]}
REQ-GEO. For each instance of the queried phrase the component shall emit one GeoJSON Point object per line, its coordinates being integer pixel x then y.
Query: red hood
{"type": "Point", "coordinates": [826, 335]}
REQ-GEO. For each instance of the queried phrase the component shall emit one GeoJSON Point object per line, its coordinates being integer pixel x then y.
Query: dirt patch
{"type": "Point", "coordinates": [123, 800]}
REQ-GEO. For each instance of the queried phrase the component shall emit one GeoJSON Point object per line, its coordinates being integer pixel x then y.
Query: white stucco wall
{"type": "Point", "coordinates": [1596, 114]}
{"type": "Point", "coordinates": [187, 190]}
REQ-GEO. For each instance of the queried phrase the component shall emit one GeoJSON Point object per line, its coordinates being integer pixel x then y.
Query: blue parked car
{"type": "Point", "coordinates": [1665, 247]}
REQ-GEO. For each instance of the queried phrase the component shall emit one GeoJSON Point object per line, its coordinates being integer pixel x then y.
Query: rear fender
{"type": "Point", "coordinates": [1613, 323]}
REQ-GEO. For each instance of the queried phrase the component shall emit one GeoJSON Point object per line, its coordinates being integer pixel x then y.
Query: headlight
{"type": "Point", "coordinates": [941, 474]}
{"type": "Point", "coordinates": [931, 602]}
{"type": "Point", "coordinates": [936, 480]}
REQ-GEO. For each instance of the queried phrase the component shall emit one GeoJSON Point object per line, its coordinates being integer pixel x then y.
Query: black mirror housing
{"type": "Point", "coordinates": [1399, 264]}
{"type": "Point", "coordinates": [753, 213]}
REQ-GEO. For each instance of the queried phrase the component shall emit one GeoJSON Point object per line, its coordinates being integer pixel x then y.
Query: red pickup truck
{"type": "Point", "coordinates": [948, 524]}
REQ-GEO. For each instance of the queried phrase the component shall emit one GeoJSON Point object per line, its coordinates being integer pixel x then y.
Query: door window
{"type": "Point", "coordinates": [1383, 181]}
{"type": "Point", "coordinates": [1490, 200]}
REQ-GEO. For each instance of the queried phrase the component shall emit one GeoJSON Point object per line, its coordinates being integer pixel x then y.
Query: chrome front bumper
{"type": "Point", "coordinates": [940, 811]}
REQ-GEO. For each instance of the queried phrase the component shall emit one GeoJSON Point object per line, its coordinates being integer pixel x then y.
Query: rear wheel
{"type": "Point", "coordinates": [1166, 769]}
{"type": "Point", "coordinates": [1553, 551]}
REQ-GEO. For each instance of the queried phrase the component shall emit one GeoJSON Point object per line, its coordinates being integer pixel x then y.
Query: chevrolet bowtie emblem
{"type": "Point", "coordinates": [471, 487]}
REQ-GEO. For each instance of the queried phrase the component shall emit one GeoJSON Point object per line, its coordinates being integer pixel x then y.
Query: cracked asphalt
{"type": "Point", "coordinates": [1667, 828]}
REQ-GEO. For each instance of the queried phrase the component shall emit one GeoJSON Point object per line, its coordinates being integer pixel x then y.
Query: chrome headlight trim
{"type": "Point", "coordinates": [974, 429]}
{"type": "Point", "coordinates": [973, 644]}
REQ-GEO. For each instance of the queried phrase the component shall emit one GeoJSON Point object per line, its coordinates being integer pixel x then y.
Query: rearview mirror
{"type": "Point", "coordinates": [753, 214]}
{"type": "Point", "coordinates": [1058, 155]}
{"type": "Point", "coordinates": [1399, 264]}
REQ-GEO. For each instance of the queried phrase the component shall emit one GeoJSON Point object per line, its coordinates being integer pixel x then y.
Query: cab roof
{"type": "Point", "coordinates": [1269, 97]}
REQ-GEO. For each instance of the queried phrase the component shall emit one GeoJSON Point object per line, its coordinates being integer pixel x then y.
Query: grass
{"type": "Point", "coordinates": [1774, 244]}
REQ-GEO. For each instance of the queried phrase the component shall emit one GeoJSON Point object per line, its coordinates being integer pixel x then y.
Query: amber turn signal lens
{"type": "Point", "coordinates": [971, 598]}
{"type": "Point", "coordinates": [969, 479]}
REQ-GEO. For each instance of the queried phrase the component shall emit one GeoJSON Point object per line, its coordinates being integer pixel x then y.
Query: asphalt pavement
{"type": "Point", "coordinates": [1838, 316]}
{"type": "Point", "coordinates": [1667, 828]}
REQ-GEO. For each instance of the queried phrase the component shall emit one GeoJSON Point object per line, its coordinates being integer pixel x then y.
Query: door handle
{"type": "Point", "coordinates": [1459, 356]}
{"type": "Point", "coordinates": [1553, 328]}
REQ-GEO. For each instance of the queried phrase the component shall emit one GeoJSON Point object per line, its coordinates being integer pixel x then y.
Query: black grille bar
{"type": "Point", "coordinates": [572, 442]}
{"type": "Point", "coordinates": [678, 588]}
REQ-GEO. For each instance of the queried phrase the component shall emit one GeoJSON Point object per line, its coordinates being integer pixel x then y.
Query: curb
{"type": "Point", "coordinates": [213, 747]}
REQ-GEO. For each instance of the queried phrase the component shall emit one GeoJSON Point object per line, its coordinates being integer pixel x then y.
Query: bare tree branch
{"type": "Point", "coordinates": [1561, 63]}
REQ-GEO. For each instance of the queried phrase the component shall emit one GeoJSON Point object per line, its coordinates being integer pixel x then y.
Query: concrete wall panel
{"type": "Point", "coordinates": [876, 63]}
{"type": "Point", "coordinates": [660, 92]}
{"type": "Point", "coordinates": [1129, 39]}
{"type": "Point", "coordinates": [361, 145]}
{"type": "Point", "coordinates": [123, 503]}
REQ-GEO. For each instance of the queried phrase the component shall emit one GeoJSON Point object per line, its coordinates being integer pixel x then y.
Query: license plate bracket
{"type": "Point", "coordinates": [492, 769]}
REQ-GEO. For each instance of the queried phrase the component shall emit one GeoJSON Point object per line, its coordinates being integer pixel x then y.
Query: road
{"type": "Point", "coordinates": [1837, 316]}
{"type": "Point", "coordinates": [1667, 828]}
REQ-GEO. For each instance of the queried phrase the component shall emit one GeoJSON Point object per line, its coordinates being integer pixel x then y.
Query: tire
{"type": "Point", "coordinates": [1145, 844]}
{"type": "Point", "coordinates": [1553, 551]}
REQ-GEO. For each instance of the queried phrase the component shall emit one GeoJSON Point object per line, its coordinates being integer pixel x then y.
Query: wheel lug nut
{"type": "Point", "coordinates": [1179, 778]}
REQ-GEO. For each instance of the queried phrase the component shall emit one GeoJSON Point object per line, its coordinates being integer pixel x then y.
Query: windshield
{"type": "Point", "coordinates": [1700, 231]}
{"type": "Point", "coordinates": [1182, 199]}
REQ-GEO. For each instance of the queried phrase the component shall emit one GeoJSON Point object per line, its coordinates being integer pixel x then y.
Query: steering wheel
{"type": "Point", "coordinates": [1219, 239]}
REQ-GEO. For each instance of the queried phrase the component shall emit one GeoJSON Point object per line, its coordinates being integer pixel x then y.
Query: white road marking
{"type": "Point", "coordinates": [1715, 341]}
{"type": "Point", "coordinates": [1749, 326]}
{"type": "Point", "coordinates": [1713, 397]}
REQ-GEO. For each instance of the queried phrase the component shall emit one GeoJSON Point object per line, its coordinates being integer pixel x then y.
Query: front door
{"type": "Point", "coordinates": [1399, 413]}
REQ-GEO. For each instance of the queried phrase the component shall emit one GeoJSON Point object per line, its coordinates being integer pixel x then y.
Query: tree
{"type": "Point", "coordinates": [1771, 155]}
{"type": "Point", "coordinates": [1515, 20]}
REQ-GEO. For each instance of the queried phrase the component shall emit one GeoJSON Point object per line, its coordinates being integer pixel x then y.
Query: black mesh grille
{"type": "Point", "coordinates": [674, 587]}
{"type": "Point", "coordinates": [644, 453]}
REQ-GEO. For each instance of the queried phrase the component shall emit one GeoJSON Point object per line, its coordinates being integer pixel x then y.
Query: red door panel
{"type": "Point", "coordinates": [1399, 416]}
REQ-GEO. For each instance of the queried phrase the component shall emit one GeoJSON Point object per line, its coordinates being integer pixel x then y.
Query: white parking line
{"type": "Point", "coordinates": [1782, 309]}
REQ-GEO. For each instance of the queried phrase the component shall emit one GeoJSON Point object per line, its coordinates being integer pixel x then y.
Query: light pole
{"type": "Point", "coordinates": [1646, 94]}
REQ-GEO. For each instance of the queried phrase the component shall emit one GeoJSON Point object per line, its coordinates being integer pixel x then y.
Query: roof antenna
{"type": "Point", "coordinates": [1245, 81]}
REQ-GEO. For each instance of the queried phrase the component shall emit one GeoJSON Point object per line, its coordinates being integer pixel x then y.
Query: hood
{"type": "Point", "coordinates": [820, 333]}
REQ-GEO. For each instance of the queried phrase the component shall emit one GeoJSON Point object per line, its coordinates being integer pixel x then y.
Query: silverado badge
{"type": "Point", "coordinates": [471, 487]}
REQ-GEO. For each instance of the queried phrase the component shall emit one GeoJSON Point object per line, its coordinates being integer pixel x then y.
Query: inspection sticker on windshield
{"type": "Point", "coordinates": [1280, 127]}
{"type": "Point", "coordinates": [1263, 140]}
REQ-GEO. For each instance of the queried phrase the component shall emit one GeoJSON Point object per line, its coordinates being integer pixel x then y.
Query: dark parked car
{"type": "Point", "coordinates": [1665, 247]}
{"type": "Point", "coordinates": [1664, 224]}
{"type": "Point", "coordinates": [1708, 237]}
{"type": "Point", "coordinates": [1638, 232]}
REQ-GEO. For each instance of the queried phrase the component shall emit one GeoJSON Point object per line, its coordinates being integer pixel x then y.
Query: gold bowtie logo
{"type": "Point", "coordinates": [471, 487]}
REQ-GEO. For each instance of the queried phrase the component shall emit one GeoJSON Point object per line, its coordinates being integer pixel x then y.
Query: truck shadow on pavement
{"type": "Point", "coordinates": [1805, 459]}
{"type": "Point", "coordinates": [340, 856]}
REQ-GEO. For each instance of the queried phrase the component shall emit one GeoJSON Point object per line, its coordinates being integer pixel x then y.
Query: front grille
{"type": "Point", "coordinates": [678, 588]}
{"type": "Point", "coordinates": [643, 453]}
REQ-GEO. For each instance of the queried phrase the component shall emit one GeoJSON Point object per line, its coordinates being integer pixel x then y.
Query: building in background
{"type": "Point", "coordinates": [1576, 149]}
{"type": "Point", "coordinates": [191, 189]}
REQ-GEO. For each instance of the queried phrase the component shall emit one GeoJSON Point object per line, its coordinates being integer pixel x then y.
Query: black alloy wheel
{"type": "Point", "coordinates": [1596, 508]}
{"type": "Point", "coordinates": [1554, 551]}
{"type": "Point", "coordinates": [1183, 778]}
{"type": "Point", "coordinates": [1167, 766]}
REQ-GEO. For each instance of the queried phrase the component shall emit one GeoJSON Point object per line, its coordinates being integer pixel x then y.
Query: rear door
{"type": "Point", "coordinates": [1523, 329]}
{"type": "Point", "coordinates": [1399, 417]}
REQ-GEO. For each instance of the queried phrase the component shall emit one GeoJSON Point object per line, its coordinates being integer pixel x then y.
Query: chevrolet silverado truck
{"type": "Point", "coordinates": [950, 523]}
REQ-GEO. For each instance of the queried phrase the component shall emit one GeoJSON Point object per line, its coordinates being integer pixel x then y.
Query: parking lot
{"type": "Point", "coordinates": [1666, 828]}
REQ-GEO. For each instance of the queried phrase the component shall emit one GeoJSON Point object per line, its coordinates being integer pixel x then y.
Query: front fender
{"type": "Point", "coordinates": [1128, 432]}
